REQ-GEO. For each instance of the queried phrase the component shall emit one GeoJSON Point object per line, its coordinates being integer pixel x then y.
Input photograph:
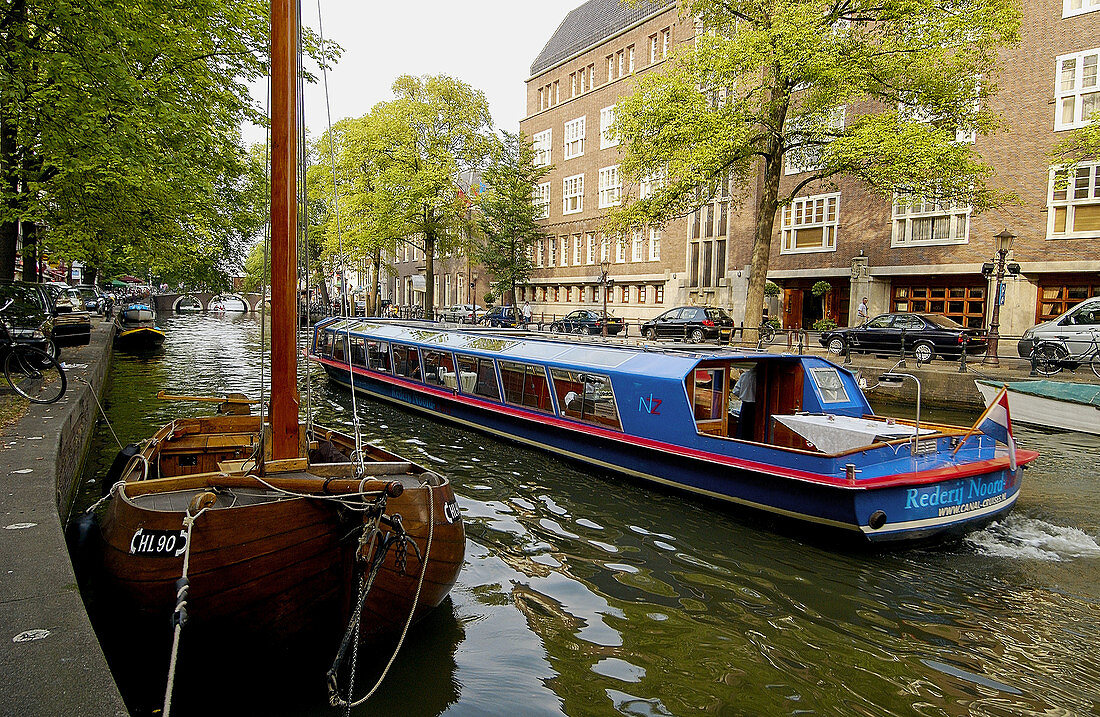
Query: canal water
{"type": "Point", "coordinates": [587, 594]}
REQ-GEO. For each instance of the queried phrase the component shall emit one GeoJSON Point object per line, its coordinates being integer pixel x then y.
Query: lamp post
{"type": "Point", "coordinates": [604, 268]}
{"type": "Point", "coordinates": [1004, 245]}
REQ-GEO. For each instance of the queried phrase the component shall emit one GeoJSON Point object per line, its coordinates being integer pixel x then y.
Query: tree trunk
{"type": "Point", "coordinates": [9, 230]}
{"type": "Point", "coordinates": [429, 275]}
{"type": "Point", "coordinates": [30, 252]}
{"type": "Point", "coordinates": [376, 289]}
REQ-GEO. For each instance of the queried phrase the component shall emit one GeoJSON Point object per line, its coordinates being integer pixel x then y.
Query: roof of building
{"type": "Point", "coordinates": [591, 22]}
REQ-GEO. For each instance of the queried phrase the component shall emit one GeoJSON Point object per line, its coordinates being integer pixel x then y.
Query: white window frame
{"type": "Point", "coordinates": [551, 251]}
{"type": "Point", "coordinates": [630, 60]}
{"type": "Point", "coordinates": [650, 183]}
{"type": "Point", "coordinates": [655, 243]}
{"type": "Point", "coordinates": [577, 249]}
{"type": "Point", "coordinates": [828, 227]}
{"type": "Point", "coordinates": [908, 211]}
{"type": "Point", "coordinates": [653, 45]}
{"type": "Point", "coordinates": [572, 194]}
{"type": "Point", "coordinates": [611, 187]}
{"type": "Point", "coordinates": [666, 39]}
{"type": "Point", "coordinates": [605, 248]}
{"type": "Point", "coordinates": [540, 251]}
{"type": "Point", "coordinates": [1074, 196]}
{"type": "Point", "coordinates": [542, 200]}
{"type": "Point", "coordinates": [1073, 96]}
{"type": "Point", "coordinates": [638, 246]}
{"type": "Point", "coordinates": [620, 250]}
{"type": "Point", "coordinates": [543, 143]}
{"type": "Point", "coordinates": [590, 240]}
{"type": "Point", "coordinates": [574, 138]}
{"type": "Point", "coordinates": [607, 118]}
{"type": "Point", "coordinates": [1086, 6]}
{"type": "Point", "coordinates": [806, 159]}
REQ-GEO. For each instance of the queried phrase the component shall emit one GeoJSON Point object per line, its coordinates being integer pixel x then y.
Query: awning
{"type": "Point", "coordinates": [116, 282]}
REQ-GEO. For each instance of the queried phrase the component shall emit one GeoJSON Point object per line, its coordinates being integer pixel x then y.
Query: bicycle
{"type": "Point", "coordinates": [1050, 356]}
{"type": "Point", "coordinates": [30, 371]}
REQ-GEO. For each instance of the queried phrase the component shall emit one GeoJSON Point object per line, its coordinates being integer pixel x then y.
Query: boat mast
{"type": "Point", "coordinates": [284, 222]}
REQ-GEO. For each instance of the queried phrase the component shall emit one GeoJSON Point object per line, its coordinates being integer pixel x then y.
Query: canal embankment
{"type": "Point", "coordinates": [49, 655]}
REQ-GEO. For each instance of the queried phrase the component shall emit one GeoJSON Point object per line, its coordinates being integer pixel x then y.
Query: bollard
{"type": "Point", "coordinates": [800, 334]}
{"type": "Point", "coordinates": [847, 354]}
{"type": "Point", "coordinates": [962, 356]}
{"type": "Point", "coordinates": [901, 360]}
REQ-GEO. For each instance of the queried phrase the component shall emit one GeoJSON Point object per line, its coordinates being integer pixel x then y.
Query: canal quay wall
{"type": "Point", "coordinates": [49, 656]}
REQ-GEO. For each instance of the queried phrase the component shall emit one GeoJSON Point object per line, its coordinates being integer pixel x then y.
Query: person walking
{"type": "Point", "coordinates": [526, 313]}
{"type": "Point", "coordinates": [863, 312]}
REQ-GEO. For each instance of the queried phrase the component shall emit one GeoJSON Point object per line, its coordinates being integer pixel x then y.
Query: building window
{"type": "Point", "coordinates": [610, 67]}
{"type": "Point", "coordinates": [810, 224]}
{"type": "Point", "coordinates": [666, 38]}
{"type": "Point", "coordinates": [576, 249]}
{"type": "Point", "coordinates": [605, 249]}
{"type": "Point", "coordinates": [642, 293]}
{"type": "Point", "coordinates": [638, 252]}
{"type": "Point", "coordinates": [624, 294]}
{"type": "Point", "coordinates": [539, 252]}
{"type": "Point", "coordinates": [620, 250]}
{"type": "Point", "coordinates": [572, 195]}
{"type": "Point", "coordinates": [630, 60]}
{"type": "Point", "coordinates": [926, 221]}
{"type": "Point", "coordinates": [1078, 94]}
{"type": "Point", "coordinates": [590, 241]}
{"type": "Point", "coordinates": [610, 187]}
{"type": "Point", "coordinates": [552, 245]}
{"type": "Point", "coordinates": [659, 294]}
{"type": "Point", "coordinates": [542, 142]}
{"type": "Point", "coordinates": [650, 184]}
{"type": "Point", "coordinates": [1073, 201]}
{"type": "Point", "coordinates": [964, 304]}
{"type": "Point", "coordinates": [1079, 7]}
{"type": "Point", "coordinates": [607, 118]}
{"type": "Point", "coordinates": [807, 158]}
{"type": "Point", "coordinates": [542, 200]}
{"type": "Point", "coordinates": [621, 56]}
{"type": "Point", "coordinates": [654, 48]}
{"type": "Point", "coordinates": [573, 83]}
{"type": "Point", "coordinates": [574, 138]}
{"type": "Point", "coordinates": [568, 294]}
{"type": "Point", "coordinates": [654, 243]}
{"type": "Point", "coordinates": [1057, 298]}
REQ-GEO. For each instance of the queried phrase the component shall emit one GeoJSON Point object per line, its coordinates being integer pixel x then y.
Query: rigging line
{"type": "Point", "coordinates": [301, 219]}
{"type": "Point", "coordinates": [340, 249]}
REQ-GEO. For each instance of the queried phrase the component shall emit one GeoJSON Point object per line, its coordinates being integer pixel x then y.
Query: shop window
{"type": "Point", "coordinates": [1057, 298]}
{"type": "Point", "coordinates": [964, 304]}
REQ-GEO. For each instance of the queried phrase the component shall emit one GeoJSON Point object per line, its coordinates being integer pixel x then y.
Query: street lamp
{"type": "Point", "coordinates": [1004, 245]}
{"type": "Point", "coordinates": [605, 266]}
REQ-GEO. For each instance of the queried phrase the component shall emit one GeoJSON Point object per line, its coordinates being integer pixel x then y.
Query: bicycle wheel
{"type": "Point", "coordinates": [34, 374]}
{"type": "Point", "coordinates": [1048, 358]}
{"type": "Point", "coordinates": [767, 333]}
{"type": "Point", "coordinates": [1095, 363]}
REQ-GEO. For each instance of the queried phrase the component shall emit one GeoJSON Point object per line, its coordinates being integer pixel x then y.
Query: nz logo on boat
{"type": "Point", "coordinates": [158, 543]}
{"type": "Point", "coordinates": [649, 405]}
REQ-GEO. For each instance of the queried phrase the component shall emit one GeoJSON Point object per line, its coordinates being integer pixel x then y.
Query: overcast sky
{"type": "Point", "coordinates": [488, 44]}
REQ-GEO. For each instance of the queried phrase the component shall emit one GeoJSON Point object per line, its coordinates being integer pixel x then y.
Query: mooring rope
{"type": "Point", "coordinates": [179, 615]}
{"type": "Point", "coordinates": [101, 411]}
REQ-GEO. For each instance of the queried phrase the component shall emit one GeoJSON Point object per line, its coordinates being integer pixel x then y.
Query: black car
{"type": "Point", "coordinates": [926, 336]}
{"type": "Point", "coordinates": [587, 321]}
{"type": "Point", "coordinates": [25, 317]}
{"type": "Point", "coordinates": [690, 323]}
{"type": "Point", "coordinates": [502, 316]}
{"type": "Point", "coordinates": [93, 298]}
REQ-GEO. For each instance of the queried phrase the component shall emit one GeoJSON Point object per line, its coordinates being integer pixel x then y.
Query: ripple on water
{"type": "Point", "coordinates": [1021, 537]}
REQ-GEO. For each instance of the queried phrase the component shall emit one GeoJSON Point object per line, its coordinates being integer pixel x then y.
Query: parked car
{"type": "Point", "coordinates": [26, 315]}
{"type": "Point", "coordinates": [502, 316]}
{"type": "Point", "coordinates": [94, 300]}
{"type": "Point", "coordinates": [691, 323]}
{"type": "Point", "coordinates": [1077, 327]}
{"type": "Point", "coordinates": [587, 321]}
{"type": "Point", "coordinates": [926, 336]}
{"type": "Point", "coordinates": [461, 313]}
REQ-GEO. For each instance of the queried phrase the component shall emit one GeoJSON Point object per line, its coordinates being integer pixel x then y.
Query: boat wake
{"type": "Point", "coordinates": [1030, 538]}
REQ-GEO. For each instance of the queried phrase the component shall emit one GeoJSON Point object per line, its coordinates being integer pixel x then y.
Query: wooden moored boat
{"type": "Point", "coordinates": [136, 328]}
{"type": "Point", "coordinates": [1050, 404]}
{"type": "Point", "coordinates": [808, 447]}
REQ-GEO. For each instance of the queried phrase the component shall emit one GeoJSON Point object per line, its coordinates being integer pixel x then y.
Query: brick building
{"type": "Point", "coordinates": [916, 258]}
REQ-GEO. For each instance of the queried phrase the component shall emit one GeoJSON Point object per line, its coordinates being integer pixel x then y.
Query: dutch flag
{"type": "Point", "coordinates": [996, 423]}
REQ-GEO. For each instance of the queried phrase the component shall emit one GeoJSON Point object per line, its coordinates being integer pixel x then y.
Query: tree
{"type": "Point", "coordinates": [434, 129]}
{"type": "Point", "coordinates": [509, 214]}
{"type": "Point", "coordinates": [768, 81]}
{"type": "Point", "coordinates": [1083, 144]}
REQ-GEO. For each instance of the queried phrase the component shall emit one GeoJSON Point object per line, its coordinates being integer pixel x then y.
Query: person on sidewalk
{"type": "Point", "coordinates": [526, 313]}
{"type": "Point", "coordinates": [863, 312]}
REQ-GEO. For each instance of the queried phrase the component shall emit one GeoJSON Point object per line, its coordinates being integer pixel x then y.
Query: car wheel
{"type": "Point", "coordinates": [696, 336]}
{"type": "Point", "coordinates": [924, 352]}
{"type": "Point", "coordinates": [578, 330]}
{"type": "Point", "coordinates": [651, 334]}
{"type": "Point", "coordinates": [836, 346]}
{"type": "Point", "coordinates": [555, 328]}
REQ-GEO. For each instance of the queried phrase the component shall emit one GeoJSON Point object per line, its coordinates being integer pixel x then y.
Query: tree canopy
{"type": "Point", "coordinates": [878, 91]}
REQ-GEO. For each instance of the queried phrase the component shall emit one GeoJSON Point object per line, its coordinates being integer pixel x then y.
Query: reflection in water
{"type": "Point", "coordinates": [584, 593]}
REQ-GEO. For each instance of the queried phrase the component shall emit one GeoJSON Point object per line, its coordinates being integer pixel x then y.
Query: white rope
{"type": "Point", "coordinates": [180, 613]}
{"type": "Point", "coordinates": [102, 412]}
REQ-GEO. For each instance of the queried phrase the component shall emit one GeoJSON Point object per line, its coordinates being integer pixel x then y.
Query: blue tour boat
{"type": "Point", "coordinates": [804, 444]}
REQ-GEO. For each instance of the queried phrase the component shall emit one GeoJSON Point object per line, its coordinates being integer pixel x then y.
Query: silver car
{"type": "Point", "coordinates": [1079, 328]}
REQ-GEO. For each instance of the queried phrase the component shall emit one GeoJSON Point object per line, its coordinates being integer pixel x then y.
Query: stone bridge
{"type": "Point", "coordinates": [171, 302]}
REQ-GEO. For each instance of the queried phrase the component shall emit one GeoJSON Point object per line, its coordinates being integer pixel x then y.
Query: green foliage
{"type": "Point", "coordinates": [1082, 144]}
{"type": "Point", "coordinates": [508, 213]}
{"type": "Point", "coordinates": [772, 289]}
{"type": "Point", "coordinates": [821, 288]}
{"type": "Point", "coordinates": [489, 297]}
{"type": "Point", "coordinates": [776, 74]}
{"type": "Point", "coordinates": [123, 119]}
{"type": "Point", "coordinates": [824, 325]}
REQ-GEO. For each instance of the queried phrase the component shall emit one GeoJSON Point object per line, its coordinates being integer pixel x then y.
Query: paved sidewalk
{"type": "Point", "coordinates": [49, 656]}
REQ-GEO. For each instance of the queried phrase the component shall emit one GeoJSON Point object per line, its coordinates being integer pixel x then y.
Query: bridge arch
{"type": "Point", "coordinates": [197, 298]}
{"type": "Point", "coordinates": [248, 308]}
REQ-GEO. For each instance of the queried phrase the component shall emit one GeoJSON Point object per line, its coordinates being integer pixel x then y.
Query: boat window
{"type": "Point", "coordinates": [829, 385]}
{"type": "Point", "coordinates": [358, 351]}
{"type": "Point", "coordinates": [378, 356]}
{"type": "Point", "coordinates": [438, 364]}
{"type": "Point", "coordinates": [709, 403]}
{"type": "Point", "coordinates": [338, 348]}
{"type": "Point", "coordinates": [609, 358]}
{"type": "Point", "coordinates": [326, 344]}
{"type": "Point", "coordinates": [525, 385]}
{"type": "Point", "coordinates": [406, 361]}
{"type": "Point", "coordinates": [586, 397]}
{"type": "Point", "coordinates": [477, 376]}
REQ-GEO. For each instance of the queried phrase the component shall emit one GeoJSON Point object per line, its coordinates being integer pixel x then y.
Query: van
{"type": "Point", "coordinates": [1078, 327]}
